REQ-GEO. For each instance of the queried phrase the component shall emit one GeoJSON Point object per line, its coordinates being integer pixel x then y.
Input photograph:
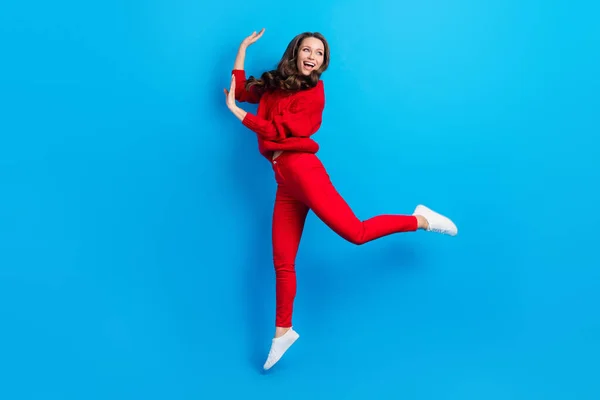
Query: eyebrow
{"type": "Point", "coordinates": [318, 48]}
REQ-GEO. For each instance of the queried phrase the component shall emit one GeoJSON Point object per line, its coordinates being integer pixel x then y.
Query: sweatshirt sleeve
{"type": "Point", "coordinates": [302, 119]}
{"type": "Point", "coordinates": [241, 94]}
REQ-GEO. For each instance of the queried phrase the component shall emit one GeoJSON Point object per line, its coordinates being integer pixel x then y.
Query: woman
{"type": "Point", "coordinates": [291, 101]}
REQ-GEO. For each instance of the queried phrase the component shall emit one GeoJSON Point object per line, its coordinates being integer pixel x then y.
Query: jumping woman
{"type": "Point", "coordinates": [290, 101]}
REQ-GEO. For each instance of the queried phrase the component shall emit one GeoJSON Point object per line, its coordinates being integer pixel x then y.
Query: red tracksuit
{"type": "Point", "coordinates": [287, 122]}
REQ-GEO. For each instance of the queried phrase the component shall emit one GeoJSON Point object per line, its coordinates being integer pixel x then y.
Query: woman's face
{"type": "Point", "coordinates": [311, 53]}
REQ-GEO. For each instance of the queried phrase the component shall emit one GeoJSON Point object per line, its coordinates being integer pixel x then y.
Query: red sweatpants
{"type": "Point", "coordinates": [303, 184]}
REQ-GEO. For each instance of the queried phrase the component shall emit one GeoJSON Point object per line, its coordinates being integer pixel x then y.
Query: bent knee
{"type": "Point", "coordinates": [357, 242]}
{"type": "Point", "coordinates": [357, 238]}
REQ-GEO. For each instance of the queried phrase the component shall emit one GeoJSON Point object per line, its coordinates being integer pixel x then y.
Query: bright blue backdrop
{"type": "Point", "coordinates": [135, 209]}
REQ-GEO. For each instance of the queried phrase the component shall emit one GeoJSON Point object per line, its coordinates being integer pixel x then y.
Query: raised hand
{"type": "Point", "coordinates": [230, 95]}
{"type": "Point", "coordinates": [252, 38]}
{"type": "Point", "coordinates": [230, 101]}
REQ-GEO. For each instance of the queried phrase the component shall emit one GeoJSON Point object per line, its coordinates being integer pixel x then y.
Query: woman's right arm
{"type": "Point", "coordinates": [240, 58]}
{"type": "Point", "coordinates": [241, 94]}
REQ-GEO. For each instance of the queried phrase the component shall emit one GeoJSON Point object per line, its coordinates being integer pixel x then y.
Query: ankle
{"type": "Point", "coordinates": [279, 331]}
{"type": "Point", "coordinates": [422, 222]}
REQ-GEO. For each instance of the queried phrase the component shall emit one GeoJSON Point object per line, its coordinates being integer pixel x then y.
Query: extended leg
{"type": "Point", "coordinates": [317, 190]}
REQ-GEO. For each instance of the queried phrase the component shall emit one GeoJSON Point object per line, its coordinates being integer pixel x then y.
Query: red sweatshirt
{"type": "Point", "coordinates": [284, 121]}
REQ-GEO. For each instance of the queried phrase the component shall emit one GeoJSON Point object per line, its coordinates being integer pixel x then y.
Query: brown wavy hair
{"type": "Point", "coordinates": [286, 76]}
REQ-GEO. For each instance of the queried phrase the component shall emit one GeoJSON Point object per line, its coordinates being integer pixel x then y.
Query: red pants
{"type": "Point", "coordinates": [303, 184]}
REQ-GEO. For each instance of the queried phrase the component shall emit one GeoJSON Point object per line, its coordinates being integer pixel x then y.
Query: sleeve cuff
{"type": "Point", "coordinates": [249, 121]}
{"type": "Point", "coordinates": [239, 73]}
{"type": "Point", "coordinates": [261, 127]}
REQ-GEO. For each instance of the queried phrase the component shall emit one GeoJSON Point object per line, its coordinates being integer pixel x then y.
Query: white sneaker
{"type": "Point", "coordinates": [279, 346]}
{"type": "Point", "coordinates": [437, 222]}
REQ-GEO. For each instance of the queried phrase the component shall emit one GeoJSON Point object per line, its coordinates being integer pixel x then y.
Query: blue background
{"type": "Point", "coordinates": [135, 209]}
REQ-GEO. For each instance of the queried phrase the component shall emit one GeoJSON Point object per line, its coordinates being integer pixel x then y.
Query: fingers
{"type": "Point", "coordinates": [232, 86]}
{"type": "Point", "coordinates": [255, 36]}
{"type": "Point", "coordinates": [230, 94]}
{"type": "Point", "coordinates": [259, 35]}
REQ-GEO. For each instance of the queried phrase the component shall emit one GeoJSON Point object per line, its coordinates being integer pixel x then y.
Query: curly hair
{"type": "Point", "coordinates": [286, 76]}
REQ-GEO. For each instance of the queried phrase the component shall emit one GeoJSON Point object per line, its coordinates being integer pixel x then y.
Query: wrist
{"type": "Point", "coordinates": [237, 111]}
{"type": "Point", "coordinates": [240, 114]}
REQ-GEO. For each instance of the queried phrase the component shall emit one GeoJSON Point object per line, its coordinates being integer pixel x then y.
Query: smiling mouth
{"type": "Point", "coordinates": [309, 65]}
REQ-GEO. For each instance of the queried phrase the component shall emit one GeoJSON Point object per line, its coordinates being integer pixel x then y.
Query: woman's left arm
{"type": "Point", "coordinates": [303, 118]}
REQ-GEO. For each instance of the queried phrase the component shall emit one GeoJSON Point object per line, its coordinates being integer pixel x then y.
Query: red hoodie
{"type": "Point", "coordinates": [284, 121]}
